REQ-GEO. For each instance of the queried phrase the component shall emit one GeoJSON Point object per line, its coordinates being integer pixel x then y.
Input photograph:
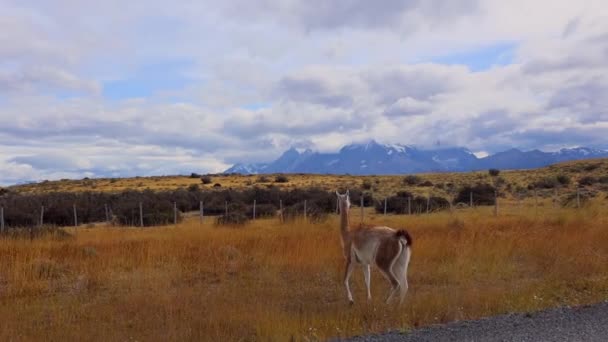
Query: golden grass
{"type": "Point", "coordinates": [272, 282]}
{"type": "Point", "coordinates": [381, 185]}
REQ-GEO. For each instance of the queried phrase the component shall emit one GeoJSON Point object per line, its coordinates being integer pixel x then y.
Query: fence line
{"type": "Point", "coordinates": [48, 213]}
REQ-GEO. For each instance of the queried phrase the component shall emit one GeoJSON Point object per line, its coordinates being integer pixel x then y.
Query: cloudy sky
{"type": "Point", "coordinates": [121, 88]}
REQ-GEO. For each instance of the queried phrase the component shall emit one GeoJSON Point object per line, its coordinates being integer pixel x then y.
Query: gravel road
{"type": "Point", "coordinates": [584, 323]}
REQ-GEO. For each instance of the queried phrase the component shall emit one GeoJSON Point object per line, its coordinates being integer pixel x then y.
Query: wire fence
{"type": "Point", "coordinates": [142, 214]}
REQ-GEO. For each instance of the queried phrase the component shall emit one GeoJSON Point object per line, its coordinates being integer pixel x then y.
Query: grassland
{"type": "Point", "coordinates": [269, 281]}
{"type": "Point", "coordinates": [380, 185]}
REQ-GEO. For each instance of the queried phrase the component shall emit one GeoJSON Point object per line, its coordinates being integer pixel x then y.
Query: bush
{"type": "Point", "coordinates": [587, 181]}
{"type": "Point", "coordinates": [546, 183]}
{"type": "Point", "coordinates": [426, 183]}
{"type": "Point", "coordinates": [194, 175]}
{"type": "Point", "coordinates": [355, 198]}
{"type": "Point", "coordinates": [603, 180]}
{"type": "Point", "coordinates": [483, 194]}
{"type": "Point", "coordinates": [412, 180]}
{"type": "Point", "coordinates": [494, 172]}
{"type": "Point", "coordinates": [263, 210]}
{"type": "Point", "coordinates": [206, 180]}
{"type": "Point", "coordinates": [571, 199]}
{"type": "Point", "coordinates": [398, 204]}
{"type": "Point", "coordinates": [591, 167]}
{"type": "Point", "coordinates": [281, 179]}
{"type": "Point", "coordinates": [194, 188]}
{"type": "Point", "coordinates": [563, 179]}
{"type": "Point", "coordinates": [217, 185]}
{"type": "Point", "coordinates": [237, 215]}
{"type": "Point", "coordinates": [367, 185]}
{"type": "Point", "coordinates": [262, 179]}
{"type": "Point", "coordinates": [313, 212]}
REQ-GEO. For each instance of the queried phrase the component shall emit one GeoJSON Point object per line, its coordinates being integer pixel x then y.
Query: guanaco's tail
{"type": "Point", "coordinates": [403, 234]}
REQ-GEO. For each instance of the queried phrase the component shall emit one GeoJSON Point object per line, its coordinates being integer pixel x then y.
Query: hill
{"type": "Point", "coordinates": [593, 171]}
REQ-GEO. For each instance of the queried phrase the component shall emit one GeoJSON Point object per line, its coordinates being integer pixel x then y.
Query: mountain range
{"type": "Point", "coordinates": [374, 158]}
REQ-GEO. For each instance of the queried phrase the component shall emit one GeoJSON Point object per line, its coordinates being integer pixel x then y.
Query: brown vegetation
{"type": "Point", "coordinates": [268, 280]}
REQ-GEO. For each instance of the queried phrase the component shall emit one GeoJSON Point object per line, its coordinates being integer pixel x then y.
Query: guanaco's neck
{"type": "Point", "coordinates": [344, 224]}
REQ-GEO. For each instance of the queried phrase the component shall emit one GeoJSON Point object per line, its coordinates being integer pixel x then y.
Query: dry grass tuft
{"type": "Point", "coordinates": [270, 281]}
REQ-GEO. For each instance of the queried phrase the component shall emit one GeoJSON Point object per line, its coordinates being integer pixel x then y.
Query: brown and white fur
{"type": "Point", "coordinates": [387, 248]}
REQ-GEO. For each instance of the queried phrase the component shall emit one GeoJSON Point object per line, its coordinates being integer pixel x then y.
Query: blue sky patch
{"type": "Point", "coordinates": [482, 58]}
{"type": "Point", "coordinates": [149, 80]}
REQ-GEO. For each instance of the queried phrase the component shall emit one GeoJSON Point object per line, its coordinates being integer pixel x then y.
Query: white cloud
{"type": "Point", "coordinates": [266, 75]}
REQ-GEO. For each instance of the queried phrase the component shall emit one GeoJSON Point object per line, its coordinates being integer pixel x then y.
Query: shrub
{"type": "Point", "coordinates": [366, 184]}
{"type": "Point", "coordinates": [587, 181]}
{"type": "Point", "coordinates": [237, 215]}
{"type": "Point", "coordinates": [262, 210]}
{"type": "Point", "coordinates": [563, 179]}
{"type": "Point", "coordinates": [262, 179]}
{"type": "Point", "coordinates": [483, 194]}
{"type": "Point", "coordinates": [281, 179]}
{"type": "Point", "coordinates": [546, 183]}
{"type": "Point", "coordinates": [355, 198]}
{"type": "Point", "coordinates": [194, 175]}
{"type": "Point", "coordinates": [426, 183]}
{"type": "Point", "coordinates": [412, 180]}
{"type": "Point", "coordinates": [194, 188]}
{"type": "Point", "coordinates": [603, 180]}
{"type": "Point", "coordinates": [313, 212]}
{"type": "Point", "coordinates": [583, 197]}
{"type": "Point", "coordinates": [206, 180]}
{"type": "Point", "coordinates": [217, 185]}
{"type": "Point", "coordinates": [591, 167]}
{"type": "Point", "coordinates": [398, 204]}
{"type": "Point", "coordinates": [493, 172]}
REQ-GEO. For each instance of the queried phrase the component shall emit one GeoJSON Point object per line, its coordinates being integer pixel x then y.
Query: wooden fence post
{"type": "Point", "coordinates": [409, 205]}
{"type": "Point", "coordinates": [41, 216]}
{"type": "Point", "coordinates": [471, 199]}
{"type": "Point", "coordinates": [75, 217]}
{"type": "Point", "coordinates": [141, 214]}
{"type": "Point", "coordinates": [305, 210]}
{"type": "Point", "coordinates": [495, 203]}
{"type": "Point", "coordinates": [362, 210]}
{"type": "Point", "coordinates": [281, 210]}
{"type": "Point", "coordinates": [1, 220]}
{"type": "Point", "coordinates": [578, 197]}
{"type": "Point", "coordinates": [175, 213]}
{"type": "Point", "coordinates": [107, 213]}
{"type": "Point", "coordinates": [555, 198]}
{"type": "Point", "coordinates": [254, 209]}
{"type": "Point", "coordinates": [202, 210]}
{"type": "Point", "coordinates": [384, 206]}
{"type": "Point", "coordinates": [226, 209]}
{"type": "Point", "coordinates": [535, 199]}
{"type": "Point", "coordinates": [428, 204]}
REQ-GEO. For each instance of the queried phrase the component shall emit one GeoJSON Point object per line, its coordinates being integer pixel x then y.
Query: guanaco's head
{"type": "Point", "coordinates": [343, 201]}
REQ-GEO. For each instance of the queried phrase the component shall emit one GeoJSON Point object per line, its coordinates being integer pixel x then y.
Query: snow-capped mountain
{"type": "Point", "coordinates": [375, 158]}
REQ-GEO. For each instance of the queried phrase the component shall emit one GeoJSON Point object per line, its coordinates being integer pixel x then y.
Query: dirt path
{"type": "Point", "coordinates": [585, 323]}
